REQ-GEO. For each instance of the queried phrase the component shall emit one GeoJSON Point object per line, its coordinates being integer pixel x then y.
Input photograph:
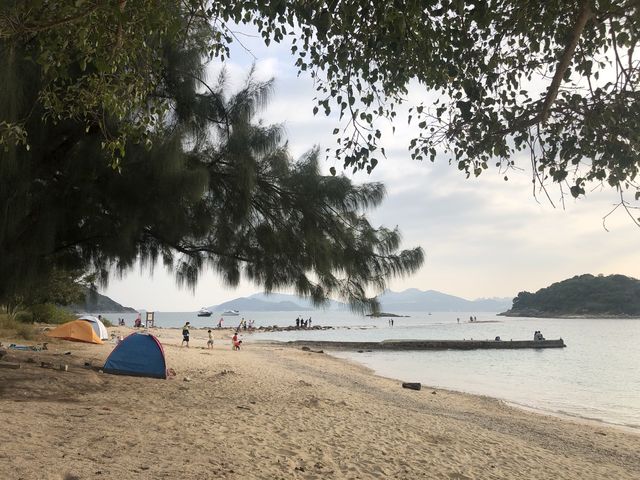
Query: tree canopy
{"type": "Point", "coordinates": [553, 84]}
{"type": "Point", "coordinates": [212, 188]}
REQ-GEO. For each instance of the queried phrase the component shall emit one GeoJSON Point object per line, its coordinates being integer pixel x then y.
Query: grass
{"type": "Point", "coordinates": [12, 328]}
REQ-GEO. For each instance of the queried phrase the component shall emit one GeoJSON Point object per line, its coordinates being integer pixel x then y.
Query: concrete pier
{"type": "Point", "coordinates": [430, 344]}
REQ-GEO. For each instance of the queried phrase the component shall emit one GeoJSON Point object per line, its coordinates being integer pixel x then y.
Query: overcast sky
{"type": "Point", "coordinates": [482, 237]}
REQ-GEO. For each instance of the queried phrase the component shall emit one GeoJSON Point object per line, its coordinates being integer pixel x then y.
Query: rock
{"type": "Point", "coordinates": [306, 349]}
{"type": "Point", "coordinates": [186, 379]}
{"type": "Point", "coordinates": [412, 385]}
{"type": "Point", "coordinates": [434, 392]}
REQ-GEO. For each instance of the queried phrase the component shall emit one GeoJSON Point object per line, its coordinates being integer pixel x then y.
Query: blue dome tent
{"type": "Point", "coordinates": [140, 354]}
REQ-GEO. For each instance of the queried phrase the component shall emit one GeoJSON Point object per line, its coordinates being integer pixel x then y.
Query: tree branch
{"type": "Point", "coordinates": [35, 28]}
{"type": "Point", "coordinates": [586, 13]}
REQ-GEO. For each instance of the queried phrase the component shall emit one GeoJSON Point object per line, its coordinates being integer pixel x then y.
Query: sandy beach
{"type": "Point", "coordinates": [274, 412]}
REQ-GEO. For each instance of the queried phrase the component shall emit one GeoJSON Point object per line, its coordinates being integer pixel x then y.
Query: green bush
{"type": "Point", "coordinates": [107, 323]}
{"type": "Point", "coordinates": [24, 317]}
{"type": "Point", "coordinates": [49, 313]}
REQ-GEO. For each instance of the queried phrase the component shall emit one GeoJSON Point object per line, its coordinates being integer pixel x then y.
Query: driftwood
{"type": "Point", "coordinates": [9, 365]}
{"type": "Point", "coordinates": [412, 386]}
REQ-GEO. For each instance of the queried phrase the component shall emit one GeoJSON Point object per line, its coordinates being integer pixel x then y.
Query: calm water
{"type": "Point", "coordinates": [597, 376]}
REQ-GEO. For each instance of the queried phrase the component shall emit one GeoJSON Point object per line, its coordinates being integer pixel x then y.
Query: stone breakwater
{"type": "Point", "coordinates": [293, 328]}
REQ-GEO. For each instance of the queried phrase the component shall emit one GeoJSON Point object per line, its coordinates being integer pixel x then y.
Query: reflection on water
{"type": "Point", "coordinates": [596, 376]}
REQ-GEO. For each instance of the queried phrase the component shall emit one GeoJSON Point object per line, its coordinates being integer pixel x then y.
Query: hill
{"type": "Point", "coordinates": [305, 303]}
{"type": "Point", "coordinates": [582, 295]}
{"type": "Point", "coordinates": [411, 300]}
{"type": "Point", "coordinates": [414, 300]}
{"type": "Point", "coordinates": [248, 304]}
{"type": "Point", "coordinates": [95, 302]}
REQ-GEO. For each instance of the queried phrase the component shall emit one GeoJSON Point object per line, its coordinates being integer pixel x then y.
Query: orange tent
{"type": "Point", "coordinates": [77, 331]}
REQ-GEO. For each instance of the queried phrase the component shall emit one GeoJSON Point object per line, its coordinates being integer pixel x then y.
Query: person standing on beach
{"type": "Point", "coordinates": [185, 334]}
{"type": "Point", "coordinates": [210, 341]}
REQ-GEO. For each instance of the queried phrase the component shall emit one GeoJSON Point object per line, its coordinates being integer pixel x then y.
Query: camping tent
{"type": "Point", "coordinates": [140, 354]}
{"type": "Point", "coordinates": [77, 331]}
{"type": "Point", "coordinates": [97, 325]}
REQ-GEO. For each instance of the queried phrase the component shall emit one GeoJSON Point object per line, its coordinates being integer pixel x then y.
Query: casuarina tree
{"type": "Point", "coordinates": [212, 188]}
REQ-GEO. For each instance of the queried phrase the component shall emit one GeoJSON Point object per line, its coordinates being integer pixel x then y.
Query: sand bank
{"type": "Point", "coordinates": [276, 412]}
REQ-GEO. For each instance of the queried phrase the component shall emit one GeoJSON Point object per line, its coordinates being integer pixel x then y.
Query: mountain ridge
{"type": "Point", "coordinates": [412, 299]}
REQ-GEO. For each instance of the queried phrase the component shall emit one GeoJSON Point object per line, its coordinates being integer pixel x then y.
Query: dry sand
{"type": "Point", "coordinates": [273, 412]}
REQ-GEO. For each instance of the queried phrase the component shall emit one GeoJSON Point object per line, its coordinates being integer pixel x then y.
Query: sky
{"type": "Point", "coordinates": [483, 237]}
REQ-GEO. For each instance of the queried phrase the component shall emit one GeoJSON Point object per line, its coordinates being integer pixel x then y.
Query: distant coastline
{"type": "Point", "coordinates": [384, 314]}
{"type": "Point", "coordinates": [540, 314]}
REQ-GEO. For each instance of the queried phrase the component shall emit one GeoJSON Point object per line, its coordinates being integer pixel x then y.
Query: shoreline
{"type": "Point", "coordinates": [270, 411]}
{"type": "Point", "coordinates": [594, 422]}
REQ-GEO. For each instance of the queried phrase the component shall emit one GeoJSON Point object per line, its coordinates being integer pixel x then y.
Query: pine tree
{"type": "Point", "coordinates": [212, 189]}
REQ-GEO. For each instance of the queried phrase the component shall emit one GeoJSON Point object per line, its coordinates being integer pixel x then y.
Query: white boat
{"type": "Point", "coordinates": [203, 312]}
{"type": "Point", "coordinates": [231, 313]}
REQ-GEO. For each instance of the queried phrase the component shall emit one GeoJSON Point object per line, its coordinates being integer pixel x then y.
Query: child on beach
{"type": "Point", "coordinates": [185, 334]}
{"type": "Point", "coordinates": [235, 342]}
{"type": "Point", "coordinates": [210, 341]}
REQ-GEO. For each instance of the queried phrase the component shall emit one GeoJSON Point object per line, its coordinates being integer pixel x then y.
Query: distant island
{"type": "Point", "coordinates": [612, 296]}
{"type": "Point", "coordinates": [384, 314]}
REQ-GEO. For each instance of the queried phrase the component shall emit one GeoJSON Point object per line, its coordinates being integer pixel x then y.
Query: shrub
{"type": "Point", "coordinates": [10, 327]}
{"type": "Point", "coordinates": [24, 317]}
{"type": "Point", "coordinates": [107, 323]}
{"type": "Point", "coordinates": [49, 313]}
{"type": "Point", "coordinates": [25, 331]}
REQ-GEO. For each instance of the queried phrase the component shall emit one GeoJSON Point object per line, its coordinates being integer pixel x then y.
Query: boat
{"type": "Point", "coordinates": [203, 312]}
{"type": "Point", "coordinates": [231, 313]}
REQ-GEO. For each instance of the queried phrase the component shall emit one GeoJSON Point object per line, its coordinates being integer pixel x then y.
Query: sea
{"type": "Point", "coordinates": [596, 377]}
